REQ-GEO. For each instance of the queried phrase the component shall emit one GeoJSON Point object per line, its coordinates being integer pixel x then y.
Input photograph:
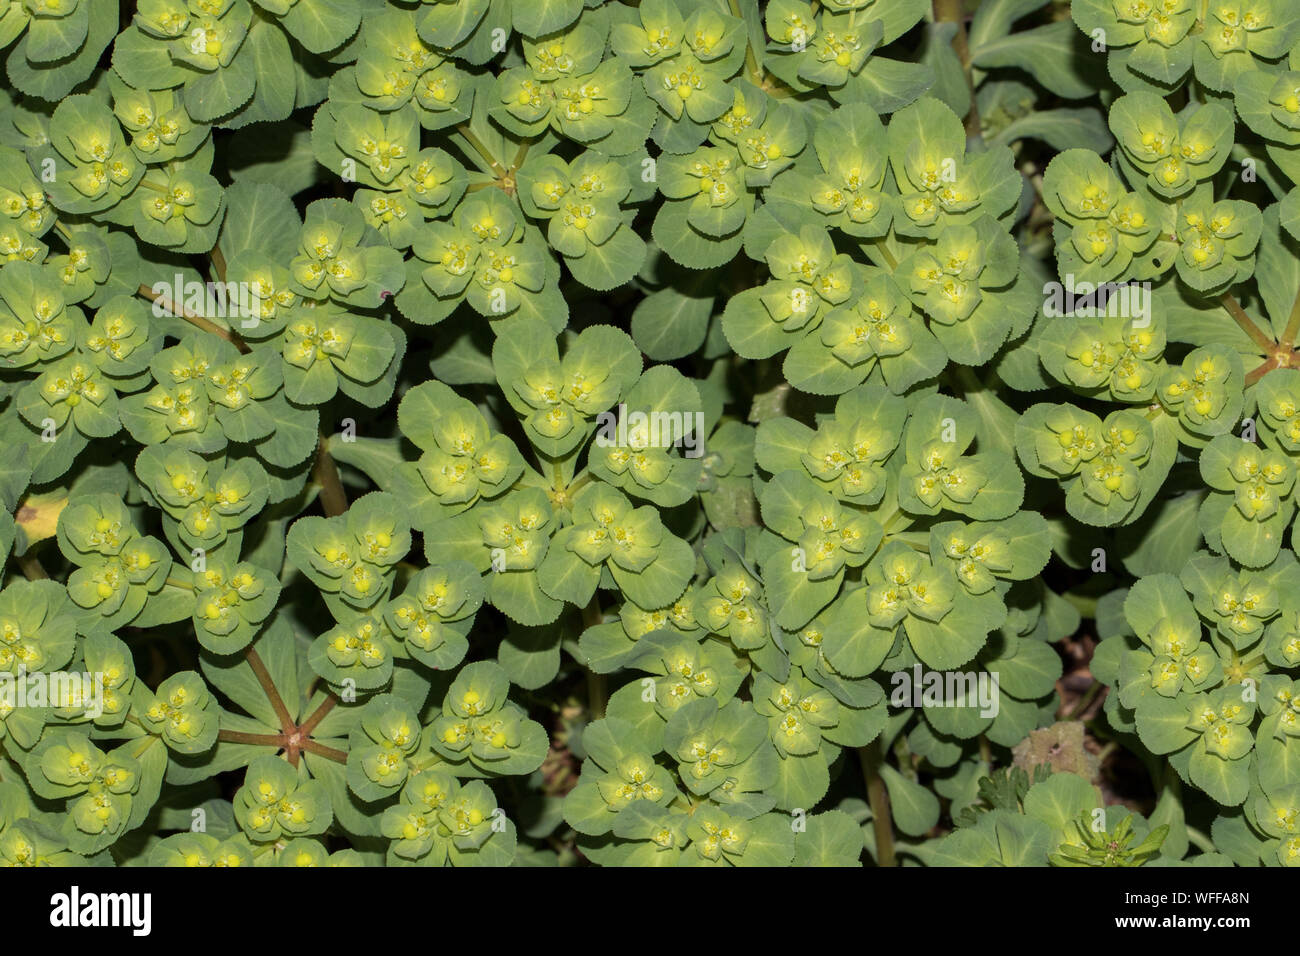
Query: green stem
{"type": "Point", "coordinates": [179, 584]}
{"type": "Point", "coordinates": [903, 754]}
{"type": "Point", "coordinates": [259, 740]}
{"type": "Point", "coordinates": [751, 62]}
{"type": "Point", "coordinates": [579, 483]}
{"type": "Point", "coordinates": [520, 155]}
{"type": "Point", "coordinates": [1082, 703]}
{"type": "Point", "coordinates": [265, 848]}
{"type": "Point", "coordinates": [319, 715]}
{"type": "Point", "coordinates": [596, 690]}
{"type": "Point", "coordinates": [218, 262]}
{"type": "Point", "coordinates": [880, 246]}
{"type": "Point", "coordinates": [1247, 324]}
{"type": "Point", "coordinates": [1255, 374]}
{"type": "Point", "coordinates": [596, 695]}
{"type": "Point", "coordinates": [418, 764]}
{"type": "Point", "coordinates": [333, 499]}
{"type": "Point", "coordinates": [268, 687]}
{"type": "Point", "coordinates": [329, 753]}
{"type": "Point", "coordinates": [892, 521]}
{"type": "Point", "coordinates": [477, 145]}
{"type": "Point", "coordinates": [145, 743]}
{"type": "Point", "coordinates": [197, 321]}
{"type": "Point", "coordinates": [871, 758]}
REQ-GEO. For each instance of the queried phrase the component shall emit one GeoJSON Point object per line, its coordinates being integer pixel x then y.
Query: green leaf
{"type": "Point", "coordinates": [322, 25]}
{"type": "Point", "coordinates": [887, 85]}
{"type": "Point", "coordinates": [670, 323]}
{"type": "Point", "coordinates": [612, 263]}
{"type": "Point", "coordinates": [801, 781]}
{"type": "Point", "coordinates": [1048, 53]}
{"type": "Point", "coordinates": [950, 642]}
{"type": "Point", "coordinates": [1058, 801]}
{"type": "Point", "coordinates": [260, 221]}
{"type": "Point", "coordinates": [832, 838]}
{"type": "Point", "coordinates": [1162, 724]}
{"type": "Point", "coordinates": [546, 16]}
{"type": "Point", "coordinates": [210, 96]}
{"type": "Point", "coordinates": [1061, 129]}
{"type": "Point", "coordinates": [914, 809]}
{"type": "Point", "coordinates": [54, 79]}
{"type": "Point", "coordinates": [1227, 781]}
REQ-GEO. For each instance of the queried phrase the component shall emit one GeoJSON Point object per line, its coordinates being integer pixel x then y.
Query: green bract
{"type": "Point", "coordinates": [1110, 468]}
{"type": "Point", "coordinates": [275, 802]}
{"type": "Point", "coordinates": [1102, 231]}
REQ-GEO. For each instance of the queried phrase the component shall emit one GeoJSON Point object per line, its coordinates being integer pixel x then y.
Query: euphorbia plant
{"type": "Point", "coordinates": [649, 433]}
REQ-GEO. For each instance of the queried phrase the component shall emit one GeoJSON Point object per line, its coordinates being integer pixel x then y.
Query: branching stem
{"type": "Point", "coordinates": [257, 740]}
{"type": "Point", "coordinates": [329, 753]}
{"type": "Point", "coordinates": [520, 155]}
{"type": "Point", "coordinates": [272, 694]}
{"type": "Point", "coordinates": [198, 321]}
{"type": "Point", "coordinates": [479, 147]}
{"type": "Point", "coordinates": [1247, 324]}
{"type": "Point", "coordinates": [882, 248]}
{"type": "Point", "coordinates": [218, 262]}
{"type": "Point", "coordinates": [320, 713]}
